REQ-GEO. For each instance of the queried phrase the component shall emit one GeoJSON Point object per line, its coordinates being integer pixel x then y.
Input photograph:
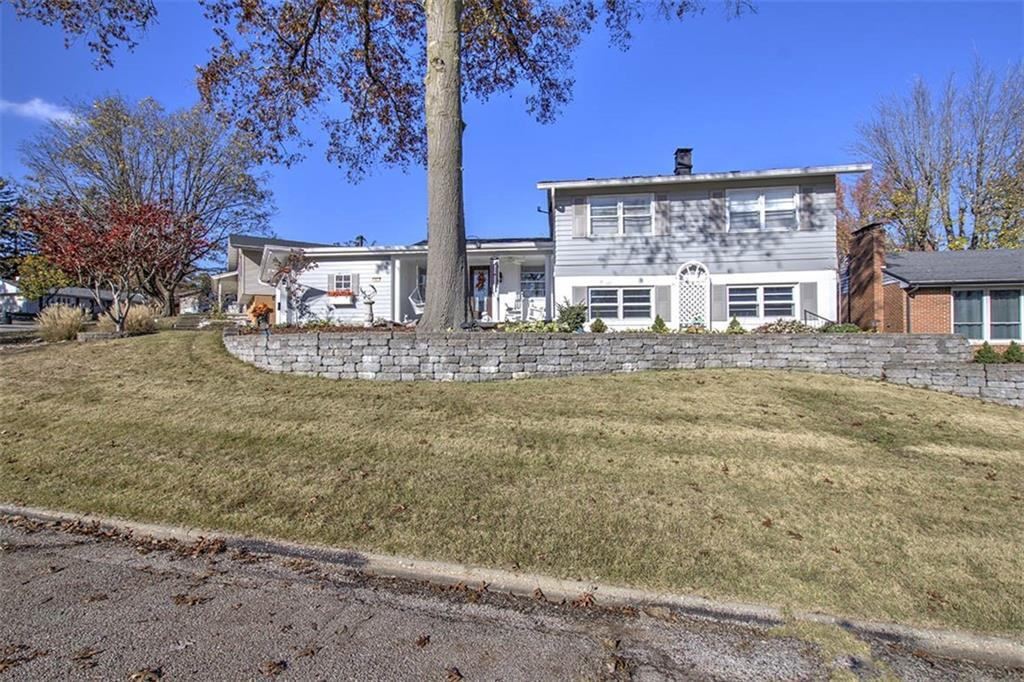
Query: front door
{"type": "Point", "coordinates": [480, 290]}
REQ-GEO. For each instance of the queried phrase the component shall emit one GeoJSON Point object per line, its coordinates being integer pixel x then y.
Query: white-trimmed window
{"type": "Point", "coordinates": [770, 301]}
{"type": "Point", "coordinates": [626, 303]}
{"type": "Point", "coordinates": [621, 215]}
{"type": "Point", "coordinates": [989, 314]}
{"type": "Point", "coordinates": [342, 281]}
{"type": "Point", "coordinates": [532, 281]}
{"type": "Point", "coordinates": [754, 210]}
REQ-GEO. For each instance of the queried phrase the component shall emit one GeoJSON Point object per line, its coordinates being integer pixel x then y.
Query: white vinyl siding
{"type": "Point", "coordinates": [754, 210]}
{"type": "Point", "coordinates": [989, 314]}
{"type": "Point", "coordinates": [621, 215]}
{"type": "Point", "coordinates": [768, 302]}
{"type": "Point", "coordinates": [626, 303]}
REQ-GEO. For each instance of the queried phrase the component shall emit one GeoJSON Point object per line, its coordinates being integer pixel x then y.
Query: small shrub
{"type": "Point", "coordinates": [987, 354]}
{"type": "Point", "coordinates": [841, 328]}
{"type": "Point", "coordinates": [598, 326]}
{"type": "Point", "coordinates": [535, 327]}
{"type": "Point", "coordinates": [784, 327]}
{"type": "Point", "coordinates": [572, 316]}
{"type": "Point", "coordinates": [735, 327]}
{"type": "Point", "coordinates": [659, 326]}
{"type": "Point", "coordinates": [61, 322]}
{"type": "Point", "coordinates": [1013, 353]}
{"type": "Point", "coordinates": [695, 328]}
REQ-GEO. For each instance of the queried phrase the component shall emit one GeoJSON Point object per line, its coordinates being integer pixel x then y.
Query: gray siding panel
{"type": "Point", "coordinates": [808, 298]}
{"type": "Point", "coordinates": [719, 302]}
{"type": "Point", "coordinates": [663, 302]}
{"type": "Point", "coordinates": [696, 232]}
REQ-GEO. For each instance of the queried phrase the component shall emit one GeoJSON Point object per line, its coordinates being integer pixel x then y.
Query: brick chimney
{"type": "Point", "coordinates": [684, 161]}
{"type": "Point", "coordinates": [866, 297]}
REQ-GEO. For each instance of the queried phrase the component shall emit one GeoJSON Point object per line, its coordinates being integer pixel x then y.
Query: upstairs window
{"type": "Point", "coordinates": [625, 215]}
{"type": "Point", "coordinates": [755, 210]}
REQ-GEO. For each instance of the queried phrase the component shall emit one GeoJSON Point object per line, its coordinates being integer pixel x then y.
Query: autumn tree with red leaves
{"type": "Point", "coordinates": [386, 79]}
{"type": "Point", "coordinates": [117, 251]}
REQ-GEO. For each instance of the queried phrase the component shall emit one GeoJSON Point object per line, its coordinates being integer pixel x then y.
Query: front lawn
{"type": "Point", "coordinates": [810, 491]}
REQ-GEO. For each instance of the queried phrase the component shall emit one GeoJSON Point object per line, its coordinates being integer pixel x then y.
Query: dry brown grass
{"type": "Point", "coordinates": [798, 490]}
{"type": "Point", "coordinates": [60, 322]}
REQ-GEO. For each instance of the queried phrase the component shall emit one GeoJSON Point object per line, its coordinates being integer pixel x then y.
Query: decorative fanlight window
{"type": "Point", "coordinates": [694, 294]}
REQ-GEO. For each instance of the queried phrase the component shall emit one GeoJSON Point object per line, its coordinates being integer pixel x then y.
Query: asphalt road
{"type": "Point", "coordinates": [78, 603]}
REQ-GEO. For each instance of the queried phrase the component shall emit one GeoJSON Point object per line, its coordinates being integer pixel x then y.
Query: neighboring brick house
{"type": "Point", "coordinates": [979, 294]}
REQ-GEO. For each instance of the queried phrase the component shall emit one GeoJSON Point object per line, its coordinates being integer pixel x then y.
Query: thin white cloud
{"type": "Point", "coordinates": [37, 109]}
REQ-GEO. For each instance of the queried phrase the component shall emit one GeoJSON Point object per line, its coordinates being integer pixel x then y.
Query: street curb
{"type": "Point", "coordinates": [987, 650]}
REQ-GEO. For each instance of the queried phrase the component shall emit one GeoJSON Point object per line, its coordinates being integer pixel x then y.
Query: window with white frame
{"type": "Point", "coordinates": [623, 215]}
{"type": "Point", "coordinates": [768, 301]}
{"type": "Point", "coordinates": [989, 314]}
{"type": "Point", "coordinates": [532, 282]}
{"type": "Point", "coordinates": [342, 282]}
{"type": "Point", "coordinates": [753, 210]}
{"type": "Point", "coordinates": [625, 303]}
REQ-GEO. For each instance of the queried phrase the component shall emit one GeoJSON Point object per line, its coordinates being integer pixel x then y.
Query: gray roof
{"type": "Point", "coordinates": [766, 174]}
{"type": "Point", "coordinates": [991, 266]}
{"type": "Point", "coordinates": [248, 241]}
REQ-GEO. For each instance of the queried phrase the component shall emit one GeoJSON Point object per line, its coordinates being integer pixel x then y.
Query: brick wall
{"type": "Point", "coordinates": [931, 311]}
{"type": "Point", "coordinates": [895, 319]}
{"type": "Point", "coordinates": [487, 356]}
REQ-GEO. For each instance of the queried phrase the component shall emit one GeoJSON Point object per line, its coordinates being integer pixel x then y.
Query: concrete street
{"type": "Point", "coordinates": [82, 603]}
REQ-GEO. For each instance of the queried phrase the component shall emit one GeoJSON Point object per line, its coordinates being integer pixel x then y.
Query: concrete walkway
{"type": "Point", "coordinates": [81, 601]}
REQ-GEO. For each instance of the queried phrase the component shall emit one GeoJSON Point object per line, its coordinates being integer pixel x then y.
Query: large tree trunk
{"type": "Point", "coordinates": [447, 275]}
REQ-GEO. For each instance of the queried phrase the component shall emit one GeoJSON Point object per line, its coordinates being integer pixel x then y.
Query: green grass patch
{"type": "Point", "coordinates": [799, 490]}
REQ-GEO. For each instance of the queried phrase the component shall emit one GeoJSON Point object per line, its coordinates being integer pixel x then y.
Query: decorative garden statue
{"type": "Point", "coordinates": [368, 294]}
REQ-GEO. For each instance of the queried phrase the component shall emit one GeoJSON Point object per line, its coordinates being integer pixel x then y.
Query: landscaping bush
{"type": "Point", "coordinates": [841, 328]}
{"type": "Point", "coordinates": [987, 354]}
{"type": "Point", "coordinates": [61, 322]}
{"type": "Point", "coordinates": [694, 329]}
{"type": "Point", "coordinates": [598, 326]}
{"type": "Point", "coordinates": [141, 319]}
{"type": "Point", "coordinates": [784, 327]}
{"type": "Point", "coordinates": [1013, 353]}
{"type": "Point", "coordinates": [659, 326]}
{"type": "Point", "coordinates": [535, 327]}
{"type": "Point", "coordinates": [735, 327]}
{"type": "Point", "coordinates": [572, 316]}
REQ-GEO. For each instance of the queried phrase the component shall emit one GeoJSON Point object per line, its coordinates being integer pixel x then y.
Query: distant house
{"type": "Point", "coordinates": [13, 303]}
{"type": "Point", "coordinates": [978, 294]}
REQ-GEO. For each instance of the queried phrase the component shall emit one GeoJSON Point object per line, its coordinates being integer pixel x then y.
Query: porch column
{"type": "Point", "coordinates": [396, 289]}
{"type": "Point", "coordinates": [549, 286]}
{"type": "Point", "coordinates": [220, 296]}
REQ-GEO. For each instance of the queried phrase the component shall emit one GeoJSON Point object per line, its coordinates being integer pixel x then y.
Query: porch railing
{"type": "Point", "coordinates": [813, 319]}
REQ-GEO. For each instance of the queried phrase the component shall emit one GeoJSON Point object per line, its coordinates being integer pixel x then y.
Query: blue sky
{"type": "Point", "coordinates": [783, 87]}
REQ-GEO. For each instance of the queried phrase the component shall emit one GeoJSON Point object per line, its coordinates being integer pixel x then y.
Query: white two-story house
{"type": "Point", "coordinates": [698, 248]}
{"type": "Point", "coordinates": [693, 248]}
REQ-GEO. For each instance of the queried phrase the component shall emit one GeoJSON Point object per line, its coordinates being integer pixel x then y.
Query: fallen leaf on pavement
{"type": "Point", "coordinates": [422, 641]}
{"type": "Point", "coordinates": [147, 675]}
{"type": "Point", "coordinates": [189, 599]}
{"type": "Point", "coordinates": [453, 674]}
{"type": "Point", "coordinates": [271, 668]}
